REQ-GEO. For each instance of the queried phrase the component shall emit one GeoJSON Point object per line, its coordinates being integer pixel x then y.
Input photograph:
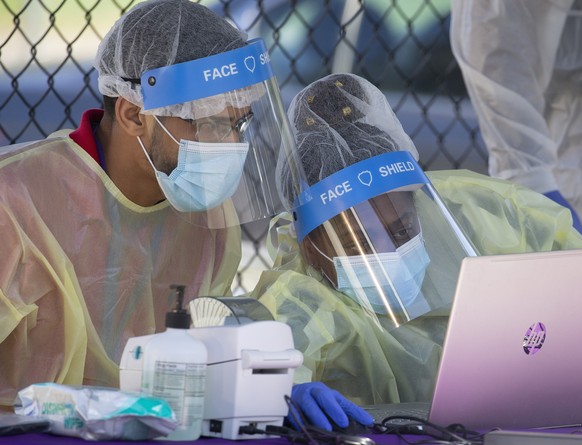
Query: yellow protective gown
{"type": "Point", "coordinates": [346, 350]}
{"type": "Point", "coordinates": [84, 269]}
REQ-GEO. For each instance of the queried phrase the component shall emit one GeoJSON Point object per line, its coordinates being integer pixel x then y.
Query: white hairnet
{"type": "Point", "coordinates": [158, 33]}
{"type": "Point", "coordinates": [337, 121]}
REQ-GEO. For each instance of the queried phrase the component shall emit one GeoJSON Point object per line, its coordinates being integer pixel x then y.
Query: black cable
{"type": "Point", "coordinates": [250, 430]}
{"type": "Point", "coordinates": [295, 413]}
{"type": "Point", "coordinates": [455, 433]}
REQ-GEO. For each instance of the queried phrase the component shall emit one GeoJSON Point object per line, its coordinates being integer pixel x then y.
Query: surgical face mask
{"type": "Point", "coordinates": [386, 280]}
{"type": "Point", "coordinates": [207, 174]}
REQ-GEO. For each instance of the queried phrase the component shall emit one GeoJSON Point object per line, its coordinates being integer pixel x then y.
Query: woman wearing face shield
{"type": "Point", "coordinates": [388, 261]}
{"type": "Point", "coordinates": [366, 277]}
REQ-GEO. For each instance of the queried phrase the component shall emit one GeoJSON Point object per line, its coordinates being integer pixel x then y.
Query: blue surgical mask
{"type": "Point", "coordinates": [207, 174]}
{"type": "Point", "coordinates": [392, 277]}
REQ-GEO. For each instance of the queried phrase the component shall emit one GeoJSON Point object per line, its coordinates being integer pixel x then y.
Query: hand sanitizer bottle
{"type": "Point", "coordinates": [175, 370]}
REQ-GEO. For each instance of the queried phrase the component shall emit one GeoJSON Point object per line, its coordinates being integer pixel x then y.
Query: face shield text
{"type": "Point", "coordinates": [218, 73]}
{"type": "Point", "coordinates": [335, 192]}
{"type": "Point", "coordinates": [397, 167]}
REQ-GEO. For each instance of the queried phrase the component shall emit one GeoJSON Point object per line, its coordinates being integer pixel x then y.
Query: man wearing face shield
{"type": "Point", "coordinates": [99, 222]}
{"type": "Point", "coordinates": [366, 259]}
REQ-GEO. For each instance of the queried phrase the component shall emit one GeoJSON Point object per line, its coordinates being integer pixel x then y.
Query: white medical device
{"type": "Point", "coordinates": [251, 362]}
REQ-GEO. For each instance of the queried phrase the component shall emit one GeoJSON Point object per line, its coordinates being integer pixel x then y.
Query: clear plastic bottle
{"type": "Point", "coordinates": [175, 370]}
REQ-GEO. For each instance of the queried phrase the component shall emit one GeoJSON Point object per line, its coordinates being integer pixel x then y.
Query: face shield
{"type": "Point", "coordinates": [230, 128]}
{"type": "Point", "coordinates": [378, 231]}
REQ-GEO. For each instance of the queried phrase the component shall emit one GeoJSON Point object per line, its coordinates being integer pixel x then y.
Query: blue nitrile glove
{"type": "Point", "coordinates": [557, 197]}
{"type": "Point", "coordinates": [320, 403]}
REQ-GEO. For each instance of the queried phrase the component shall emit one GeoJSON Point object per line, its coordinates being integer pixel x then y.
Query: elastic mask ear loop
{"type": "Point", "coordinates": [143, 146]}
{"type": "Point", "coordinates": [410, 244]}
{"type": "Point", "coordinates": [320, 252]}
{"type": "Point", "coordinates": [146, 153]}
{"type": "Point", "coordinates": [165, 129]}
{"type": "Point", "coordinates": [322, 272]}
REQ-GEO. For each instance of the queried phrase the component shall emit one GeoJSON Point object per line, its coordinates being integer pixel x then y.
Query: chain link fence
{"type": "Point", "coordinates": [402, 46]}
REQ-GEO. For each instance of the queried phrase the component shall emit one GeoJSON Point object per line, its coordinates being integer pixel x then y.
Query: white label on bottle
{"type": "Point", "coordinates": [182, 386]}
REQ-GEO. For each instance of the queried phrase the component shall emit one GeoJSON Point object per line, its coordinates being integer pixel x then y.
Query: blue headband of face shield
{"type": "Point", "coordinates": [201, 78]}
{"type": "Point", "coordinates": [354, 184]}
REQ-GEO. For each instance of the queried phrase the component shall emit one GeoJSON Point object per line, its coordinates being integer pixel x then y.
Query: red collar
{"type": "Point", "coordinates": [84, 136]}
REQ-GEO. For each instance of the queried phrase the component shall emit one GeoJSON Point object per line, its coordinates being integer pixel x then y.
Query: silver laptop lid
{"type": "Point", "coordinates": [513, 351]}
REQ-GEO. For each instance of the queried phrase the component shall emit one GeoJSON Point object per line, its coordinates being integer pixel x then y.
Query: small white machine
{"type": "Point", "coordinates": [251, 362]}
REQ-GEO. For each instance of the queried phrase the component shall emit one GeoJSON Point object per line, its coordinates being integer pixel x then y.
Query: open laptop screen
{"type": "Point", "coordinates": [512, 355]}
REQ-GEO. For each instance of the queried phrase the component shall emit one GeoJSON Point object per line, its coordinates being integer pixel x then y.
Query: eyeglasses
{"type": "Point", "coordinates": [210, 130]}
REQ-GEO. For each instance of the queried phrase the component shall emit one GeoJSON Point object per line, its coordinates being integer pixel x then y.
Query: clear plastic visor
{"type": "Point", "coordinates": [238, 154]}
{"type": "Point", "coordinates": [225, 145]}
{"type": "Point", "coordinates": [396, 254]}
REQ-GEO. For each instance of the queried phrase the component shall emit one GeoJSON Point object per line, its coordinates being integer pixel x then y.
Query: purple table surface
{"type": "Point", "coordinates": [48, 439]}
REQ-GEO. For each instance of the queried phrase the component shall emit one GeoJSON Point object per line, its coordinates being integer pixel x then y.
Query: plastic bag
{"type": "Point", "coordinates": [12, 424]}
{"type": "Point", "coordinates": [95, 413]}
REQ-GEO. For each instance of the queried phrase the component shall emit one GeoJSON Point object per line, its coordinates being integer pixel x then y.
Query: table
{"type": "Point", "coordinates": [48, 439]}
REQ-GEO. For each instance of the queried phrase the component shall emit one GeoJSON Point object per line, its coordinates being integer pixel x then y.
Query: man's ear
{"type": "Point", "coordinates": [129, 118]}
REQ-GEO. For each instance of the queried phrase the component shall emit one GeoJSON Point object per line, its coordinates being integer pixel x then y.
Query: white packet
{"type": "Point", "coordinates": [96, 413]}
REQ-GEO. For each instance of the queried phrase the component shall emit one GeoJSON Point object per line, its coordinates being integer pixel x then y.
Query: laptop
{"type": "Point", "coordinates": [512, 355]}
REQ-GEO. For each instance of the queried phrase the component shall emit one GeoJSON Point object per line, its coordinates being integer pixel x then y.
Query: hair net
{"type": "Point", "coordinates": [338, 121]}
{"type": "Point", "coordinates": [158, 33]}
